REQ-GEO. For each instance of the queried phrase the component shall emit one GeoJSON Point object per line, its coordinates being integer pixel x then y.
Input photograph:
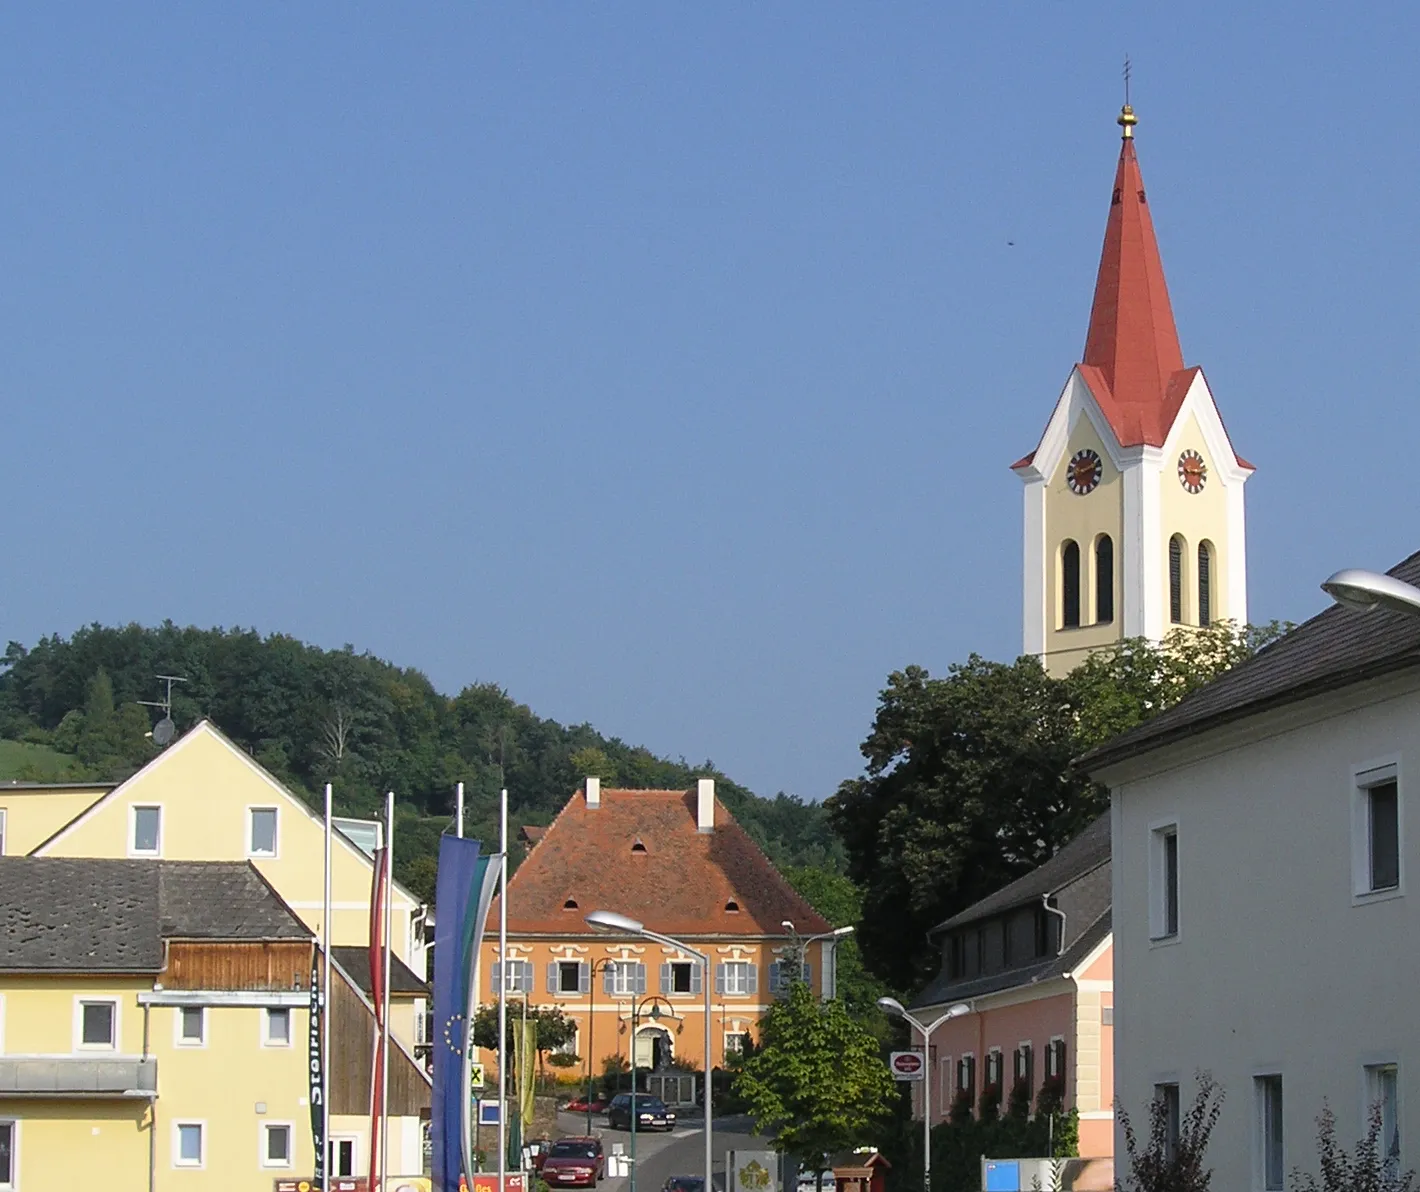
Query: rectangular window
{"type": "Point", "coordinates": [1383, 1091]}
{"type": "Point", "coordinates": [569, 976]}
{"type": "Point", "coordinates": [192, 1026]}
{"type": "Point", "coordinates": [1055, 1059]}
{"type": "Point", "coordinates": [147, 831]}
{"type": "Point", "coordinates": [342, 1156]}
{"type": "Point", "coordinates": [520, 977]}
{"type": "Point", "coordinates": [98, 1024]}
{"type": "Point", "coordinates": [187, 1144]}
{"type": "Point", "coordinates": [9, 1168]}
{"type": "Point", "coordinates": [1025, 1064]}
{"type": "Point", "coordinates": [1383, 835]}
{"type": "Point", "coordinates": [278, 1027]}
{"type": "Point", "coordinates": [993, 1068]}
{"type": "Point", "coordinates": [1269, 1131]}
{"type": "Point", "coordinates": [735, 1042]}
{"type": "Point", "coordinates": [1167, 1096]}
{"type": "Point", "coordinates": [682, 976]}
{"type": "Point", "coordinates": [736, 978]}
{"type": "Point", "coordinates": [625, 978]}
{"type": "Point", "coordinates": [275, 1145]}
{"type": "Point", "coordinates": [966, 1078]}
{"type": "Point", "coordinates": [1163, 865]}
{"type": "Point", "coordinates": [261, 832]}
{"type": "Point", "coordinates": [1042, 932]}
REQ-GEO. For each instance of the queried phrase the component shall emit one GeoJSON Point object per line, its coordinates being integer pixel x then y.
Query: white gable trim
{"type": "Point", "coordinates": [210, 729]}
{"type": "Point", "coordinates": [1090, 957]}
{"type": "Point", "coordinates": [1198, 401]}
{"type": "Point", "coordinates": [1075, 400]}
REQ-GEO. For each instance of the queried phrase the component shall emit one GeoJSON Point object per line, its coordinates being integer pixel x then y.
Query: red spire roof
{"type": "Point", "coordinates": [1132, 340]}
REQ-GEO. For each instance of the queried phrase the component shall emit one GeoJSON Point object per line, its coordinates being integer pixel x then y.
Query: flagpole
{"type": "Point", "coordinates": [385, 1035]}
{"type": "Point", "coordinates": [503, 990]}
{"type": "Point", "coordinates": [325, 998]}
{"type": "Point", "coordinates": [458, 828]}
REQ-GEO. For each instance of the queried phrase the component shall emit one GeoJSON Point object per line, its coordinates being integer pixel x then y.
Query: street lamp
{"type": "Point", "coordinates": [803, 942]}
{"type": "Point", "coordinates": [1367, 590]}
{"type": "Point", "coordinates": [890, 1005]}
{"type": "Point", "coordinates": [603, 964]}
{"type": "Point", "coordinates": [611, 921]}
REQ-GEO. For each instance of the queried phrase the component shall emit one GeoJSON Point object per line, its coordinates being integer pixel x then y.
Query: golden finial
{"type": "Point", "coordinates": [1127, 119]}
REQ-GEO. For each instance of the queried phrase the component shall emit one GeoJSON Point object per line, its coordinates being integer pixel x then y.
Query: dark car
{"type": "Point", "coordinates": [574, 1163]}
{"type": "Point", "coordinates": [684, 1183]}
{"type": "Point", "coordinates": [651, 1113]}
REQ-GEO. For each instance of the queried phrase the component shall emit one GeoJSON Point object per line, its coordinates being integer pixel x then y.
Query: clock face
{"type": "Point", "coordinates": [1192, 471]}
{"type": "Point", "coordinates": [1084, 472]}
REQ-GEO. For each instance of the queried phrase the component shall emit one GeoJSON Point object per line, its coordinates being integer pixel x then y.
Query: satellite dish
{"type": "Point", "coordinates": [164, 731]}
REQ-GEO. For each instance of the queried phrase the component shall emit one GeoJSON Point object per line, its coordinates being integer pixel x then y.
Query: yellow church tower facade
{"type": "Point", "coordinates": [1134, 519]}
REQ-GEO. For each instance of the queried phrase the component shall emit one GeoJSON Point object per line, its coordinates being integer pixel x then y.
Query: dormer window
{"type": "Point", "coordinates": [570, 905]}
{"type": "Point", "coordinates": [638, 847]}
{"type": "Point", "coordinates": [732, 906]}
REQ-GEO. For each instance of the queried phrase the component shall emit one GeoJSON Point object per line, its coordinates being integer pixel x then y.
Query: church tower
{"type": "Point", "coordinates": [1134, 495]}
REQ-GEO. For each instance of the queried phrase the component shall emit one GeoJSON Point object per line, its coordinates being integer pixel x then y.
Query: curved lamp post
{"type": "Point", "coordinates": [604, 964]}
{"type": "Point", "coordinates": [890, 1005]}
{"type": "Point", "coordinates": [1367, 590]}
{"type": "Point", "coordinates": [625, 925]}
{"type": "Point", "coordinates": [803, 942]}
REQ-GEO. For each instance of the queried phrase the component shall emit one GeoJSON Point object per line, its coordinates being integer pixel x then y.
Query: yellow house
{"type": "Point", "coordinates": [677, 861]}
{"type": "Point", "coordinates": [204, 799]}
{"type": "Point", "coordinates": [154, 1016]}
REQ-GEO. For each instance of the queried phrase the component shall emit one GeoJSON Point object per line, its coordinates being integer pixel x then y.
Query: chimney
{"type": "Point", "coordinates": [705, 804]}
{"type": "Point", "coordinates": [594, 791]}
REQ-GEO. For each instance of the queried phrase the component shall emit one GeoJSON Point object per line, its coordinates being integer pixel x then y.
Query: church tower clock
{"type": "Point", "coordinates": [1134, 495]}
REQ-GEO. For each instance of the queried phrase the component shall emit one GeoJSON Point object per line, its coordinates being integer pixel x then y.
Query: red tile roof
{"type": "Point", "coordinates": [679, 881]}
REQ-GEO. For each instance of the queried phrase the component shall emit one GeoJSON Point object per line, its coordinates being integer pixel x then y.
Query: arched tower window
{"type": "Point", "coordinates": [1205, 584]}
{"type": "Point", "coordinates": [1104, 579]}
{"type": "Point", "coordinates": [1176, 580]}
{"type": "Point", "coordinates": [1070, 584]}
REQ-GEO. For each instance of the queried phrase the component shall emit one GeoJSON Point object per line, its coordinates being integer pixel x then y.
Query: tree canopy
{"type": "Point", "coordinates": [971, 779]}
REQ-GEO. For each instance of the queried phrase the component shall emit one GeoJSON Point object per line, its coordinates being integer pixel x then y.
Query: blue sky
{"type": "Point", "coordinates": [663, 363]}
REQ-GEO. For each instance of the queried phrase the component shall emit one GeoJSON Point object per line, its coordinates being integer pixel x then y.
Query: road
{"type": "Point", "coordinates": [659, 1156]}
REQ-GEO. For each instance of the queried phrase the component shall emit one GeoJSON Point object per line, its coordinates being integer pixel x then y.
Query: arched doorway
{"type": "Point", "coordinates": [654, 1047]}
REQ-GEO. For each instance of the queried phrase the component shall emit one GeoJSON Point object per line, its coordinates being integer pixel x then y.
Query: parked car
{"type": "Point", "coordinates": [651, 1113]}
{"type": "Point", "coordinates": [684, 1183]}
{"type": "Point", "coordinates": [574, 1163]}
{"type": "Point", "coordinates": [597, 1104]}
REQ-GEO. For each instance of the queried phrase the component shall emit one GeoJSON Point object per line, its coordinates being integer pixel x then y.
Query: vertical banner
{"type": "Point", "coordinates": [317, 1094]}
{"type": "Point", "coordinates": [460, 868]}
{"type": "Point", "coordinates": [526, 1062]}
{"type": "Point", "coordinates": [378, 894]}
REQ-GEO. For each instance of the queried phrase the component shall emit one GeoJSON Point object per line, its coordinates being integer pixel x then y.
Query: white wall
{"type": "Point", "coordinates": [1276, 968]}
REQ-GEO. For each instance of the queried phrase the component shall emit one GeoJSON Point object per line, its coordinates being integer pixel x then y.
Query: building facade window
{"type": "Point", "coordinates": [1205, 584]}
{"type": "Point", "coordinates": [1383, 1093]}
{"type": "Point", "coordinates": [736, 1042]}
{"type": "Point", "coordinates": [568, 976]}
{"type": "Point", "coordinates": [261, 832]}
{"type": "Point", "coordinates": [625, 978]}
{"type": "Point", "coordinates": [1104, 580]}
{"type": "Point", "coordinates": [9, 1153]}
{"type": "Point", "coordinates": [1269, 1133]}
{"type": "Point", "coordinates": [1167, 1096]}
{"type": "Point", "coordinates": [783, 973]}
{"type": "Point", "coordinates": [98, 1024]}
{"type": "Point", "coordinates": [736, 978]}
{"type": "Point", "coordinates": [520, 977]}
{"type": "Point", "coordinates": [1376, 831]}
{"type": "Point", "coordinates": [189, 1149]}
{"type": "Point", "coordinates": [1070, 584]}
{"type": "Point", "coordinates": [191, 1026]}
{"type": "Point", "coordinates": [276, 1144]}
{"type": "Point", "coordinates": [966, 1079]}
{"type": "Point", "coordinates": [681, 976]}
{"type": "Point", "coordinates": [1163, 865]}
{"type": "Point", "coordinates": [1055, 1059]}
{"type": "Point", "coordinates": [276, 1028]}
{"type": "Point", "coordinates": [342, 1156]}
{"type": "Point", "coordinates": [1176, 580]}
{"type": "Point", "coordinates": [145, 836]}
{"type": "Point", "coordinates": [1025, 1068]}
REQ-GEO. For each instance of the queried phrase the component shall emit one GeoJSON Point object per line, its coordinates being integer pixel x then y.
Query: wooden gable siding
{"type": "Point", "coordinates": [205, 964]}
{"type": "Point", "coordinates": [352, 1037]}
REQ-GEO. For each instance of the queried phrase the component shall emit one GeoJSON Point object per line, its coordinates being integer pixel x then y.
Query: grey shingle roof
{"type": "Point", "coordinates": [98, 915]}
{"type": "Point", "coordinates": [1336, 648]}
{"type": "Point", "coordinates": [1088, 850]}
{"type": "Point", "coordinates": [355, 963]}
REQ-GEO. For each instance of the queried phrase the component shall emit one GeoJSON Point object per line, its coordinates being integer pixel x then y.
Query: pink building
{"type": "Point", "coordinates": [1034, 962]}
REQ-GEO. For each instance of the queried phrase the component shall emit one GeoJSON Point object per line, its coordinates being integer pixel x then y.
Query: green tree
{"type": "Point", "coordinates": [839, 901]}
{"type": "Point", "coordinates": [554, 1028]}
{"type": "Point", "coordinates": [971, 779]}
{"type": "Point", "coordinates": [589, 761]}
{"type": "Point", "coordinates": [816, 1083]}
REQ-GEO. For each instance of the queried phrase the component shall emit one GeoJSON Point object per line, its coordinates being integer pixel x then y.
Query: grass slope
{"type": "Point", "coordinates": [27, 762]}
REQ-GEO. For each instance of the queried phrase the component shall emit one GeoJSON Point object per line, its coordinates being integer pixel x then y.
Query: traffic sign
{"type": "Point", "coordinates": [906, 1065]}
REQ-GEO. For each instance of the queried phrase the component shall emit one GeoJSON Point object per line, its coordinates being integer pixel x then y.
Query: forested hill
{"type": "Point", "coordinates": [312, 716]}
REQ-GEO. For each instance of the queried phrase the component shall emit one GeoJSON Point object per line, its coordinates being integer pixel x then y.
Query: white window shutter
{"type": "Point", "coordinates": [584, 978]}
{"type": "Point", "coordinates": [552, 976]}
{"type": "Point", "coordinates": [697, 978]}
{"type": "Point", "coordinates": [751, 978]}
{"type": "Point", "coordinates": [720, 978]}
{"type": "Point", "coordinates": [666, 977]}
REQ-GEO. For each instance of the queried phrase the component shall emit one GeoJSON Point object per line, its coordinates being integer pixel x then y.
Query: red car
{"type": "Point", "coordinates": [582, 1105]}
{"type": "Point", "coordinates": [574, 1163]}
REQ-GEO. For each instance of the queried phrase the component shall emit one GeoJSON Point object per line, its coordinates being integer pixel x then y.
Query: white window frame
{"type": "Point", "coordinates": [740, 970]}
{"type": "Point", "coordinates": [1364, 778]}
{"type": "Point", "coordinates": [14, 1181]}
{"type": "Point", "coordinates": [1169, 1090]}
{"type": "Point", "coordinates": [251, 851]}
{"type": "Point", "coordinates": [262, 1136]}
{"type": "Point", "coordinates": [82, 1000]}
{"type": "Point", "coordinates": [623, 978]}
{"type": "Point", "coordinates": [266, 1039]}
{"type": "Point", "coordinates": [1371, 1093]}
{"type": "Point", "coordinates": [133, 849]}
{"type": "Point", "coordinates": [1263, 1118]}
{"type": "Point", "coordinates": [577, 980]}
{"type": "Point", "coordinates": [1159, 934]}
{"type": "Point", "coordinates": [333, 1143]}
{"type": "Point", "coordinates": [188, 1164]}
{"type": "Point", "coordinates": [689, 967]}
{"type": "Point", "coordinates": [739, 1037]}
{"type": "Point", "coordinates": [181, 1040]}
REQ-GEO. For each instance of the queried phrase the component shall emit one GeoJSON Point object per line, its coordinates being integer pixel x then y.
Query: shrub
{"type": "Point", "coordinates": [1018, 1106]}
{"type": "Point", "coordinates": [1162, 1164]}
{"type": "Point", "coordinates": [1369, 1170]}
{"type": "Point", "coordinates": [989, 1108]}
